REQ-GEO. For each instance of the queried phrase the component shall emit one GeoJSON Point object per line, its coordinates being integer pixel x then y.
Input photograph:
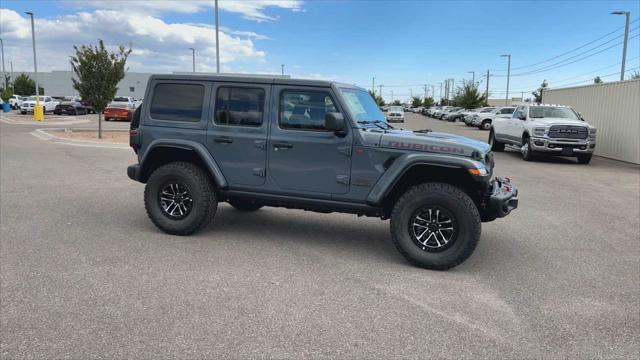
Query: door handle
{"type": "Point", "coordinates": [223, 139]}
{"type": "Point", "coordinates": [282, 146]}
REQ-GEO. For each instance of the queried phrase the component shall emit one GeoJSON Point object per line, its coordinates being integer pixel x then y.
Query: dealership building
{"type": "Point", "coordinates": [58, 83]}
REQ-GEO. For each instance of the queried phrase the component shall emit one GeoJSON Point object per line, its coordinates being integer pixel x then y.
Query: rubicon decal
{"type": "Point", "coordinates": [426, 147]}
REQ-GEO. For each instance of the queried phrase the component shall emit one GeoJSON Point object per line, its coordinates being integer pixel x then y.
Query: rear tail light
{"type": "Point", "coordinates": [134, 139]}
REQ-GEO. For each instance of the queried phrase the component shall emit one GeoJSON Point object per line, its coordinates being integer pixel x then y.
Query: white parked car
{"type": "Point", "coordinates": [483, 120]}
{"type": "Point", "coordinates": [126, 99]}
{"type": "Point", "coordinates": [439, 111]}
{"type": "Point", "coordinates": [542, 128]}
{"type": "Point", "coordinates": [480, 112]}
{"type": "Point", "coordinates": [15, 101]}
{"type": "Point", "coordinates": [395, 114]}
{"type": "Point", "coordinates": [47, 102]}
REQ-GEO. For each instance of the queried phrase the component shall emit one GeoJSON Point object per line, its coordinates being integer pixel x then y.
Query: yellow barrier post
{"type": "Point", "coordinates": [38, 111]}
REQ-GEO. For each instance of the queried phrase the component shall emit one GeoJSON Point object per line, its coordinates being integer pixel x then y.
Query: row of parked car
{"type": "Point", "coordinates": [535, 129]}
{"type": "Point", "coordinates": [121, 108]}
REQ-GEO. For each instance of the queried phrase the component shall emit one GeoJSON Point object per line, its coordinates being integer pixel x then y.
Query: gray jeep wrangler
{"type": "Point", "coordinates": [312, 145]}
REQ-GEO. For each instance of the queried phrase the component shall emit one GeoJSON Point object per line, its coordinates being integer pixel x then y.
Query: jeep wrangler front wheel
{"type": "Point", "coordinates": [179, 198]}
{"type": "Point", "coordinates": [435, 226]}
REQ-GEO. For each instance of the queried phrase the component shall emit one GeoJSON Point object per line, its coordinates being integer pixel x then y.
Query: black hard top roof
{"type": "Point", "coordinates": [259, 79]}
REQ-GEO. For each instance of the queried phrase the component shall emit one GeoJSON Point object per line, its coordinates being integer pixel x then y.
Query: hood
{"type": "Point", "coordinates": [557, 121]}
{"type": "Point", "coordinates": [438, 142]}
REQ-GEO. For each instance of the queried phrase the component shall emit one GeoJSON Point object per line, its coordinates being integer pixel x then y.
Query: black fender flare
{"type": "Point", "coordinates": [403, 163]}
{"type": "Point", "coordinates": [197, 148]}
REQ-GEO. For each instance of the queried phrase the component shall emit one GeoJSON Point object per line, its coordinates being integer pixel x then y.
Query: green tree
{"type": "Point", "coordinates": [537, 95]}
{"type": "Point", "coordinates": [396, 103]}
{"type": "Point", "coordinates": [379, 100]}
{"type": "Point", "coordinates": [597, 80]}
{"type": "Point", "coordinates": [98, 73]}
{"type": "Point", "coordinates": [416, 101]}
{"type": "Point", "coordinates": [428, 102]}
{"type": "Point", "coordinates": [635, 75]}
{"type": "Point", "coordinates": [24, 85]}
{"type": "Point", "coordinates": [5, 94]}
{"type": "Point", "coordinates": [468, 96]}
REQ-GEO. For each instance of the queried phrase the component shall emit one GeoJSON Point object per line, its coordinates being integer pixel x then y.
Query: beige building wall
{"type": "Point", "coordinates": [500, 102]}
{"type": "Point", "coordinates": [613, 108]}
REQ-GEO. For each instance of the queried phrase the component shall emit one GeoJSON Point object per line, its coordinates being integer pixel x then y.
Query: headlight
{"type": "Point", "coordinates": [539, 131]}
{"type": "Point", "coordinates": [592, 131]}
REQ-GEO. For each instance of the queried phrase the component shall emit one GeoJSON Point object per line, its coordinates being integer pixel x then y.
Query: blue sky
{"type": "Point", "coordinates": [398, 42]}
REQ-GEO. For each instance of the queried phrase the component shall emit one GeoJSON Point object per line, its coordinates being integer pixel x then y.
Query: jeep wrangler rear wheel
{"type": "Point", "coordinates": [435, 226]}
{"type": "Point", "coordinates": [244, 205]}
{"type": "Point", "coordinates": [179, 198]}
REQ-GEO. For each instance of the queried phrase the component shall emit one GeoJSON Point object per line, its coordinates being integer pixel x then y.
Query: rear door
{"type": "Point", "coordinates": [237, 134]}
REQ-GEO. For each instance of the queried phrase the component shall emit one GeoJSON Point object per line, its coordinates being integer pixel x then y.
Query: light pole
{"type": "Point", "coordinates": [36, 111]}
{"type": "Point", "coordinates": [373, 86]}
{"type": "Point", "coordinates": [282, 69]}
{"type": "Point", "coordinates": [193, 58]}
{"type": "Point", "coordinates": [11, 67]}
{"type": "Point", "coordinates": [3, 73]}
{"type": "Point", "coordinates": [506, 99]}
{"type": "Point", "coordinates": [473, 74]}
{"type": "Point", "coordinates": [627, 15]}
{"type": "Point", "coordinates": [217, 40]}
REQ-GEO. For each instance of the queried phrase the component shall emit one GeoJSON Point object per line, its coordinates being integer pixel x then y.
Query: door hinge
{"type": "Point", "coordinates": [343, 179]}
{"type": "Point", "coordinates": [259, 172]}
{"type": "Point", "coordinates": [260, 144]}
{"type": "Point", "coordinates": [345, 150]}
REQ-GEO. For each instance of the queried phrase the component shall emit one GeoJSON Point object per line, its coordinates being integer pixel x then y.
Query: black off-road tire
{"type": "Point", "coordinates": [584, 159]}
{"type": "Point", "coordinates": [495, 144]}
{"type": "Point", "coordinates": [244, 205]}
{"type": "Point", "coordinates": [205, 202]}
{"type": "Point", "coordinates": [445, 196]}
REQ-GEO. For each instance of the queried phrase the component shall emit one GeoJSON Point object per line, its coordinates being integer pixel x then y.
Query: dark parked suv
{"type": "Point", "coordinates": [312, 145]}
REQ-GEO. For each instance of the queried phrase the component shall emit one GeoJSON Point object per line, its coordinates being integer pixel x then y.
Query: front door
{"type": "Point", "coordinates": [237, 136]}
{"type": "Point", "coordinates": [304, 157]}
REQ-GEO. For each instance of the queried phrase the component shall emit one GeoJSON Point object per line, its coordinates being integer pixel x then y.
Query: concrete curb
{"type": "Point", "coordinates": [42, 134]}
{"type": "Point", "coordinates": [41, 123]}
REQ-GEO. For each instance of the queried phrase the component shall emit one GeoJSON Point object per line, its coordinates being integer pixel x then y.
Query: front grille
{"type": "Point", "coordinates": [568, 132]}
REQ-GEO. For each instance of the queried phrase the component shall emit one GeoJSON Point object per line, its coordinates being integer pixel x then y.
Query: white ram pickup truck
{"type": "Point", "coordinates": [545, 129]}
{"type": "Point", "coordinates": [47, 102]}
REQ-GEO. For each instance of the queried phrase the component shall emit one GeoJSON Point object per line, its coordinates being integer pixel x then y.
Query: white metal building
{"type": "Point", "coordinates": [613, 108]}
{"type": "Point", "coordinates": [58, 83]}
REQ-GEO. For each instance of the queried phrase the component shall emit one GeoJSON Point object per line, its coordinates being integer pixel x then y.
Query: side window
{"type": "Point", "coordinates": [304, 110]}
{"type": "Point", "coordinates": [507, 111]}
{"type": "Point", "coordinates": [177, 102]}
{"type": "Point", "coordinates": [519, 112]}
{"type": "Point", "coordinates": [238, 106]}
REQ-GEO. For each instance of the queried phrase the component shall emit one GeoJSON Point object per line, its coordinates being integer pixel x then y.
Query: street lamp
{"type": "Point", "coordinates": [3, 73]}
{"type": "Point", "coordinates": [506, 99]}
{"type": "Point", "coordinates": [37, 114]}
{"type": "Point", "coordinates": [217, 40]}
{"type": "Point", "coordinates": [193, 58]}
{"type": "Point", "coordinates": [282, 69]}
{"type": "Point", "coordinates": [473, 81]}
{"type": "Point", "coordinates": [627, 15]}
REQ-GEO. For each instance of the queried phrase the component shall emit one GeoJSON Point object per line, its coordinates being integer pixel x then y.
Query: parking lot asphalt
{"type": "Point", "coordinates": [85, 274]}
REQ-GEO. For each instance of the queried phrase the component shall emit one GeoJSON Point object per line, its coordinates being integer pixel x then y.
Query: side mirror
{"type": "Point", "coordinates": [334, 121]}
{"type": "Point", "coordinates": [522, 117]}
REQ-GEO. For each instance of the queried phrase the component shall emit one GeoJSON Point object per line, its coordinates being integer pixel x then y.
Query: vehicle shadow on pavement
{"type": "Point", "coordinates": [543, 158]}
{"type": "Point", "coordinates": [334, 234]}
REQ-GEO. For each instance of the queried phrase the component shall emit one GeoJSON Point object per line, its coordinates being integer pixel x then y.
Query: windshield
{"type": "Point", "coordinates": [396, 108]}
{"type": "Point", "coordinates": [487, 110]}
{"type": "Point", "coordinates": [552, 112]}
{"type": "Point", "coordinates": [33, 98]}
{"type": "Point", "coordinates": [361, 105]}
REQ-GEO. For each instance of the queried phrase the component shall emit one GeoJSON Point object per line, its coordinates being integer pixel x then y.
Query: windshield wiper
{"type": "Point", "coordinates": [376, 123]}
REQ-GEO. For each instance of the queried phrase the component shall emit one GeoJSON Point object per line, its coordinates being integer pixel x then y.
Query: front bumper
{"type": "Point", "coordinates": [565, 147]}
{"type": "Point", "coordinates": [501, 199]}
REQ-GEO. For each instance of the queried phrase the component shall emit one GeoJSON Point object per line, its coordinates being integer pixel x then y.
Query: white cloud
{"type": "Point", "coordinates": [158, 45]}
{"type": "Point", "coordinates": [252, 9]}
